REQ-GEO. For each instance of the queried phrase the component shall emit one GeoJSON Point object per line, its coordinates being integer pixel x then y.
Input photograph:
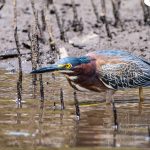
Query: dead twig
{"type": "Point", "coordinates": [3, 3]}
{"type": "Point", "coordinates": [60, 26]}
{"type": "Point", "coordinates": [38, 24]}
{"type": "Point", "coordinates": [52, 53]}
{"type": "Point", "coordinates": [19, 82]}
{"type": "Point", "coordinates": [49, 2]}
{"type": "Point", "coordinates": [77, 24]}
{"type": "Point", "coordinates": [43, 20]}
{"type": "Point", "coordinates": [11, 55]}
{"type": "Point", "coordinates": [116, 7]}
{"type": "Point", "coordinates": [95, 11]}
{"type": "Point", "coordinates": [146, 12]}
{"type": "Point", "coordinates": [103, 18]}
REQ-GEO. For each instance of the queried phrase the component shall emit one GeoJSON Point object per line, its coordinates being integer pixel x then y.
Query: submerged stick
{"type": "Point", "coordinates": [115, 115]}
{"type": "Point", "coordinates": [62, 99]}
{"type": "Point", "coordinates": [41, 88]}
{"type": "Point", "coordinates": [76, 105]}
{"type": "Point", "coordinates": [19, 82]}
{"type": "Point", "coordinates": [149, 131]}
{"type": "Point", "coordinates": [103, 18]}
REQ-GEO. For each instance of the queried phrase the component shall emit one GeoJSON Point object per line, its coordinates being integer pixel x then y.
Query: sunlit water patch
{"type": "Point", "coordinates": [33, 126]}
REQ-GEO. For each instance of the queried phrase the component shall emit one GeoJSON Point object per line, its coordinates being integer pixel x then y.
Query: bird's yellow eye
{"type": "Point", "coordinates": [68, 66]}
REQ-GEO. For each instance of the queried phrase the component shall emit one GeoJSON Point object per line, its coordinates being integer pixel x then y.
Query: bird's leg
{"type": "Point", "coordinates": [109, 96]}
{"type": "Point", "coordinates": [141, 95]}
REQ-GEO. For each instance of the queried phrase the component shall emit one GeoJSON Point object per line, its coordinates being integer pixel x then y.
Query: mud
{"type": "Point", "coordinates": [134, 36]}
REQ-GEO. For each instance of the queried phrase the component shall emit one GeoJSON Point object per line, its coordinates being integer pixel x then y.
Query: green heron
{"type": "Point", "coordinates": [103, 71]}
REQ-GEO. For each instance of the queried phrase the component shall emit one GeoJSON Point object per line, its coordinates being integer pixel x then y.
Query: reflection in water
{"type": "Point", "coordinates": [38, 124]}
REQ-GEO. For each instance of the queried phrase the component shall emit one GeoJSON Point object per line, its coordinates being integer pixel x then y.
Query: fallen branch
{"type": "Point", "coordinates": [7, 56]}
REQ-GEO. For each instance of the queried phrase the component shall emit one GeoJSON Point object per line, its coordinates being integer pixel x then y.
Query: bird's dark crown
{"type": "Point", "coordinates": [72, 61]}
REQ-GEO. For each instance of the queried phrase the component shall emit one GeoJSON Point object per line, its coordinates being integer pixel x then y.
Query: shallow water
{"type": "Point", "coordinates": [38, 127]}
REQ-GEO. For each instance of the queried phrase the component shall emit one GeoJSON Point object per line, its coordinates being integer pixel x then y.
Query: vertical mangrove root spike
{"type": "Point", "coordinates": [104, 19]}
{"type": "Point", "coordinates": [146, 12]}
{"type": "Point", "coordinates": [62, 99]}
{"type": "Point", "coordinates": [76, 105]}
{"type": "Point", "coordinates": [19, 82]}
{"type": "Point", "coordinates": [116, 12]}
{"type": "Point", "coordinates": [115, 115]}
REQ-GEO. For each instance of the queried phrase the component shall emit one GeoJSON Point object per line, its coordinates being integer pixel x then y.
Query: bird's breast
{"type": "Point", "coordinates": [86, 83]}
{"type": "Point", "coordinates": [75, 83]}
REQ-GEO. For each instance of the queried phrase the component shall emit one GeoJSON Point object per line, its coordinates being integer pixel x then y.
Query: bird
{"type": "Point", "coordinates": [103, 71]}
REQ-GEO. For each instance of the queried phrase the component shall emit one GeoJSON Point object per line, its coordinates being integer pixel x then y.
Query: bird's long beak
{"type": "Point", "coordinates": [45, 69]}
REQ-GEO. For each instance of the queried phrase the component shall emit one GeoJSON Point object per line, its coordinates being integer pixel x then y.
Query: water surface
{"type": "Point", "coordinates": [33, 126]}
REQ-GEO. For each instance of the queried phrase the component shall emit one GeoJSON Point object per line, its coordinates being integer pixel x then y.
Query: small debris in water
{"type": "Point", "coordinates": [20, 133]}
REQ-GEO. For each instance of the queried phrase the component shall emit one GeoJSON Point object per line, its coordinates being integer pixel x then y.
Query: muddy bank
{"type": "Point", "coordinates": [133, 37]}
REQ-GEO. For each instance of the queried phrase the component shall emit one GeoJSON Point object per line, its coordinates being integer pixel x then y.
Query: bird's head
{"type": "Point", "coordinates": [66, 65]}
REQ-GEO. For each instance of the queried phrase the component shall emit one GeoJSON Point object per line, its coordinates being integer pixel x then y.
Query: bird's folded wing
{"type": "Point", "coordinates": [125, 75]}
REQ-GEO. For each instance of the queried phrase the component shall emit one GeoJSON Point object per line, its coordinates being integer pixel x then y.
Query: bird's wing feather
{"type": "Point", "coordinates": [124, 75]}
{"type": "Point", "coordinates": [120, 69]}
